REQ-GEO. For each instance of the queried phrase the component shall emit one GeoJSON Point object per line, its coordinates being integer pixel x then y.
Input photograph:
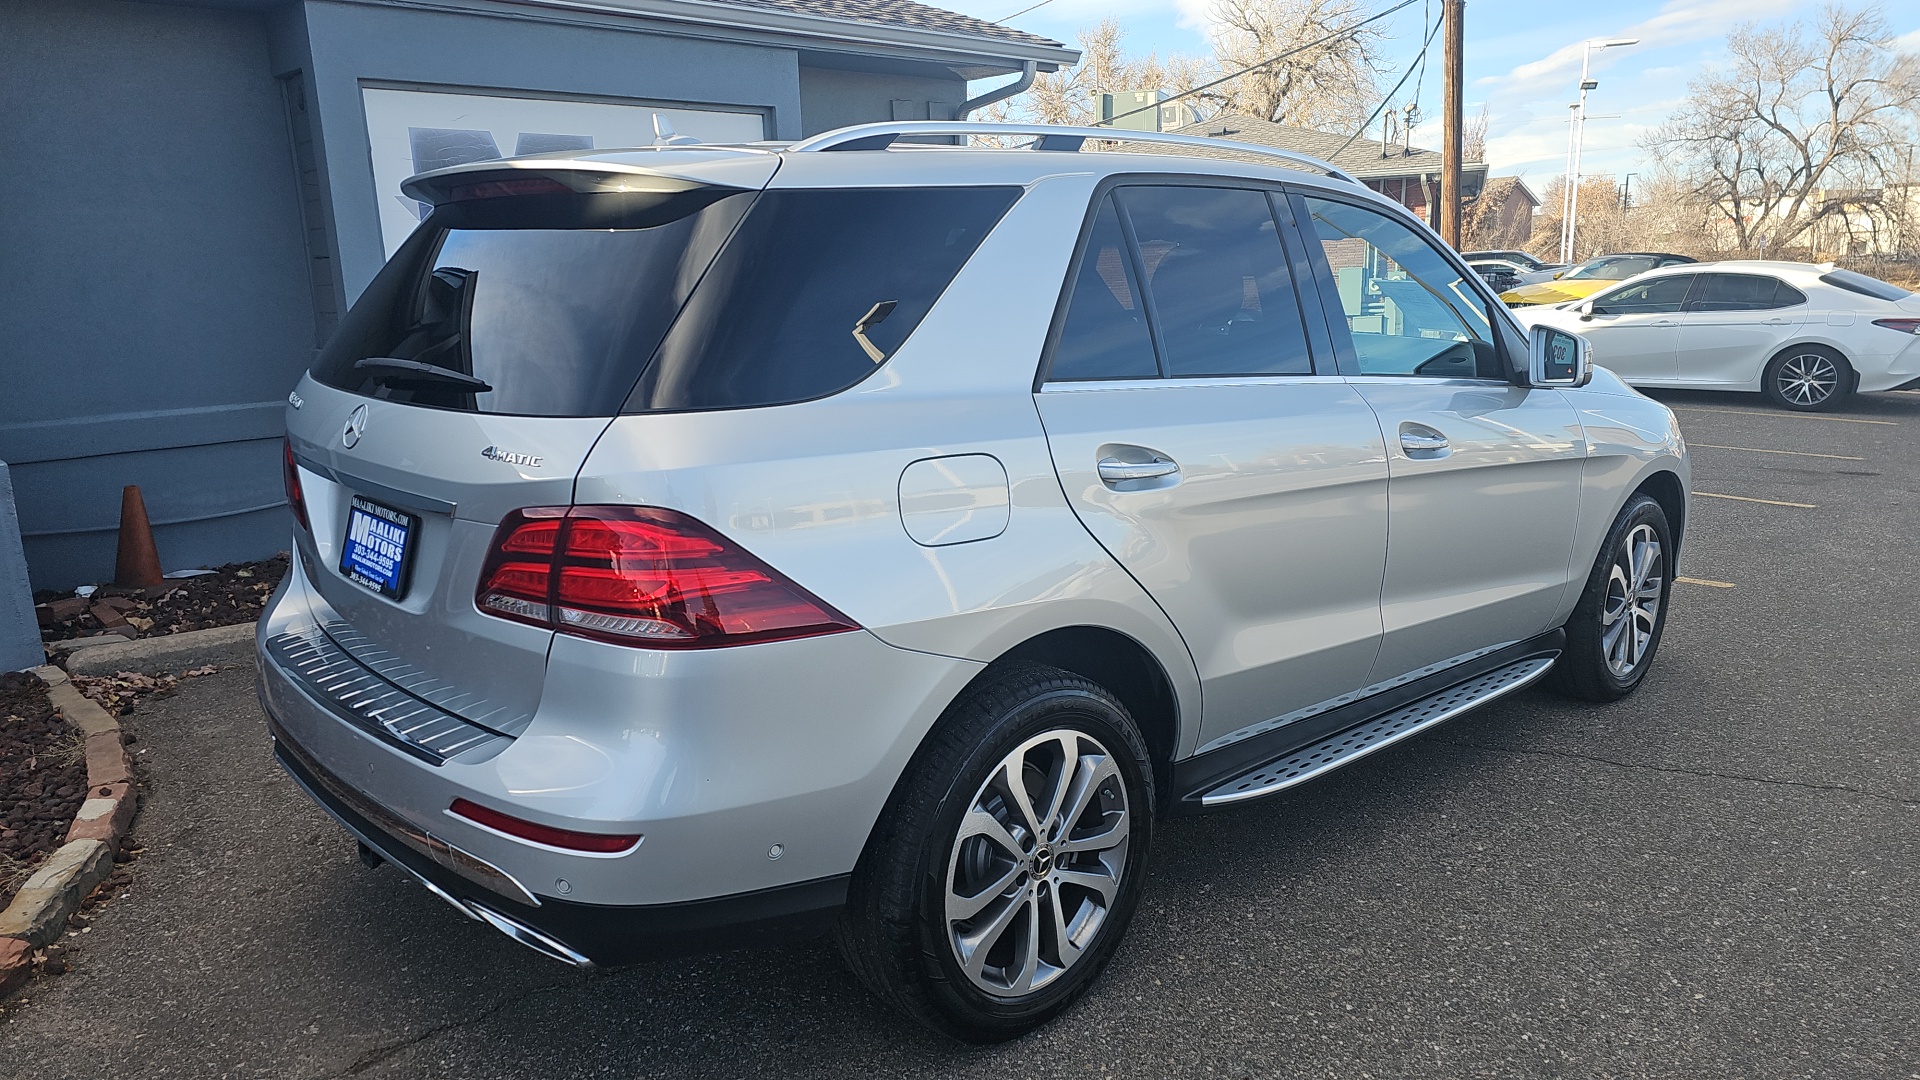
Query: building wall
{"type": "Point", "coordinates": [834, 98]}
{"type": "Point", "coordinates": [153, 300]}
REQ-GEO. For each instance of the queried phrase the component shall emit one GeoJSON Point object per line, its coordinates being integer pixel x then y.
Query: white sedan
{"type": "Point", "coordinates": [1806, 336]}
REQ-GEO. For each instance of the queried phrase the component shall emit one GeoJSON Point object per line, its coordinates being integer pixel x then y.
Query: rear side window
{"type": "Point", "coordinates": [1222, 295]}
{"type": "Point", "coordinates": [1105, 333]}
{"type": "Point", "coordinates": [487, 308]}
{"type": "Point", "coordinates": [1742, 292]}
{"type": "Point", "coordinates": [816, 290]}
{"type": "Point", "coordinates": [1864, 285]}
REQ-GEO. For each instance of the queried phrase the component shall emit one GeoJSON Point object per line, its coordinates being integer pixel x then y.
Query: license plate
{"type": "Point", "coordinates": [379, 545]}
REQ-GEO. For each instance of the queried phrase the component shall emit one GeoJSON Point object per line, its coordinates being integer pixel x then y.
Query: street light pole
{"type": "Point", "coordinates": [1571, 204]}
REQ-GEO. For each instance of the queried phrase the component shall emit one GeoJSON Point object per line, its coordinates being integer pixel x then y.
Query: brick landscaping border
{"type": "Point", "coordinates": [56, 890]}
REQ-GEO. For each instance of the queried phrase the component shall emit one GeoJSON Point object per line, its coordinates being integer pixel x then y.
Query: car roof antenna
{"type": "Point", "coordinates": [664, 135]}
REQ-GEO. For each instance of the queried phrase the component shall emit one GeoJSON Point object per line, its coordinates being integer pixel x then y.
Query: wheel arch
{"type": "Point", "coordinates": [1125, 667]}
{"type": "Point", "coordinates": [1665, 488]}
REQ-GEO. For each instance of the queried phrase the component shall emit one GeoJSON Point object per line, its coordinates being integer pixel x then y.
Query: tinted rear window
{"type": "Point", "coordinates": [1864, 285]}
{"type": "Point", "coordinates": [702, 300]}
{"type": "Point", "coordinates": [556, 321]}
{"type": "Point", "coordinates": [817, 290]}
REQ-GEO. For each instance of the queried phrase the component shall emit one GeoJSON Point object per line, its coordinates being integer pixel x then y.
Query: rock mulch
{"type": "Point", "coordinates": [43, 778]}
{"type": "Point", "coordinates": [231, 595]}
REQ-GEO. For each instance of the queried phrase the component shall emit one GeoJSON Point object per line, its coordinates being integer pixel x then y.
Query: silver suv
{"type": "Point", "coordinates": [702, 546]}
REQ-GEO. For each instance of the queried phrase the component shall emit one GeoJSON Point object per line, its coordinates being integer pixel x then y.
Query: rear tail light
{"type": "Point", "coordinates": [640, 575]}
{"type": "Point", "coordinates": [1905, 326]}
{"type": "Point", "coordinates": [290, 472]}
{"type": "Point", "coordinates": [597, 843]}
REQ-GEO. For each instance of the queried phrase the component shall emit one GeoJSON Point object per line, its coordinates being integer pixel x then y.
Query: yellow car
{"type": "Point", "coordinates": [1582, 281]}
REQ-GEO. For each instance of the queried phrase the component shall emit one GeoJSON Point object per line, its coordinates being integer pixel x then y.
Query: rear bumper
{"type": "Point", "coordinates": [584, 935]}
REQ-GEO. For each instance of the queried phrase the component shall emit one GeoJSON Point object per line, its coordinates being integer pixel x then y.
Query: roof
{"type": "Point", "coordinates": [903, 14]}
{"type": "Point", "coordinates": [1499, 189]}
{"type": "Point", "coordinates": [1361, 157]}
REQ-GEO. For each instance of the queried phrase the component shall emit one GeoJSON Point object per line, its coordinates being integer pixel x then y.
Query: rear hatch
{"type": "Point", "coordinates": [472, 379]}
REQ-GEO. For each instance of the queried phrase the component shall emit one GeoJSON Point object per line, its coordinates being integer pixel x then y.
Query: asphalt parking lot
{"type": "Point", "coordinates": [1716, 878]}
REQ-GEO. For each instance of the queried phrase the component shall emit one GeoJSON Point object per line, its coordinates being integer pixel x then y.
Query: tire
{"type": "Point", "coordinates": [896, 932]}
{"type": "Point", "coordinates": [1600, 664]}
{"type": "Point", "coordinates": [1808, 378]}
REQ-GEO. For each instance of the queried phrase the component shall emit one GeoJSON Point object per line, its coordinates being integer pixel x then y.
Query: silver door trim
{"type": "Point", "coordinates": [1085, 386]}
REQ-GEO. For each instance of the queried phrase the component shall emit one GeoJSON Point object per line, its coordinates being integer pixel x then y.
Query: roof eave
{"type": "Point", "coordinates": [940, 46]}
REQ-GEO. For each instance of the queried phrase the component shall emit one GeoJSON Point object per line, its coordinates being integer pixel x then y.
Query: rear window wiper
{"type": "Point", "coordinates": [392, 369]}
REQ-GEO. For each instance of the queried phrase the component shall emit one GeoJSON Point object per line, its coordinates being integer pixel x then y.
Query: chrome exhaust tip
{"type": "Point", "coordinates": [528, 936]}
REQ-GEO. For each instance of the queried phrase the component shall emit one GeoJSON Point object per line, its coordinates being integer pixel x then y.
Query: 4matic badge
{"type": "Point", "coordinates": [494, 453]}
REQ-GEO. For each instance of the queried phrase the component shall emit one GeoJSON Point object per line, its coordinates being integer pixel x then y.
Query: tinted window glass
{"type": "Point", "coordinates": [1734, 292]}
{"type": "Point", "coordinates": [1105, 333]}
{"type": "Point", "coordinates": [816, 290]}
{"type": "Point", "coordinates": [1613, 269]}
{"type": "Point", "coordinates": [1222, 296]}
{"type": "Point", "coordinates": [1864, 285]}
{"type": "Point", "coordinates": [1408, 310]}
{"type": "Point", "coordinates": [552, 321]}
{"type": "Point", "coordinates": [1785, 295]}
{"type": "Point", "coordinates": [1660, 295]}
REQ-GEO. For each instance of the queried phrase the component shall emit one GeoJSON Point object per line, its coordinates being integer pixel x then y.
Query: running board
{"type": "Point", "coordinates": [1346, 747]}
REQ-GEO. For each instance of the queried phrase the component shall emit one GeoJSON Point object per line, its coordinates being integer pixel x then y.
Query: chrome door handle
{"type": "Point", "coordinates": [1115, 471]}
{"type": "Point", "coordinates": [1416, 442]}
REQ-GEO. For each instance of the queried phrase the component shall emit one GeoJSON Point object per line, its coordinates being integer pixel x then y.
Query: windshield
{"type": "Point", "coordinates": [1612, 268]}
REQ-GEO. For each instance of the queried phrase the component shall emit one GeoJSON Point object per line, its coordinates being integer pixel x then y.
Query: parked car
{"type": "Point", "coordinates": [1499, 274]}
{"type": "Point", "coordinates": [1582, 281]}
{"type": "Point", "coordinates": [1515, 256]}
{"type": "Point", "coordinates": [703, 546]}
{"type": "Point", "coordinates": [1806, 336]}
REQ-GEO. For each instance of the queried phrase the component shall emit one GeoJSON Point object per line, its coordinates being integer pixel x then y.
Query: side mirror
{"type": "Point", "coordinates": [1585, 310]}
{"type": "Point", "coordinates": [1557, 358]}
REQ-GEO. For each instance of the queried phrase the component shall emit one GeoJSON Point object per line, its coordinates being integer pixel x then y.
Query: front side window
{"type": "Point", "coordinates": [1221, 291]}
{"type": "Point", "coordinates": [1656, 297]}
{"type": "Point", "coordinates": [1104, 335]}
{"type": "Point", "coordinates": [1739, 292]}
{"type": "Point", "coordinates": [1408, 310]}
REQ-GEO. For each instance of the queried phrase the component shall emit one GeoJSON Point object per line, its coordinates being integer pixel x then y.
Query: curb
{"type": "Point", "coordinates": [170, 652]}
{"type": "Point", "coordinates": [56, 890]}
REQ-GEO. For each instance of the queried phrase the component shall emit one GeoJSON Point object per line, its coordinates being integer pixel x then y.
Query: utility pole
{"type": "Point", "coordinates": [1453, 134]}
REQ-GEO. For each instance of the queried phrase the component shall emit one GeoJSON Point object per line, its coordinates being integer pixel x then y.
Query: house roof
{"type": "Point", "coordinates": [1361, 158]}
{"type": "Point", "coordinates": [904, 14]}
{"type": "Point", "coordinates": [1499, 189]}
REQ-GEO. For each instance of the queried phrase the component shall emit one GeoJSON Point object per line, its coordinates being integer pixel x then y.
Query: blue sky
{"type": "Point", "coordinates": [1522, 60]}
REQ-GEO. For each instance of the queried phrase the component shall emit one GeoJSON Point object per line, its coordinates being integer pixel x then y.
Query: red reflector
{"type": "Point", "coordinates": [290, 473]}
{"type": "Point", "coordinates": [1905, 326]}
{"type": "Point", "coordinates": [598, 843]}
{"type": "Point", "coordinates": [640, 575]}
{"type": "Point", "coordinates": [494, 189]}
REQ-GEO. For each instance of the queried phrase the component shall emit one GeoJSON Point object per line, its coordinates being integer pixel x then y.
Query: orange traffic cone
{"type": "Point", "coordinates": [137, 566]}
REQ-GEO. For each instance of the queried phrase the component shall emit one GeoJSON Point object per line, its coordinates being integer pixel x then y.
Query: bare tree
{"type": "Point", "coordinates": [1801, 124]}
{"type": "Point", "coordinates": [1072, 95]}
{"type": "Point", "coordinates": [1474, 139]}
{"type": "Point", "coordinates": [1332, 86]}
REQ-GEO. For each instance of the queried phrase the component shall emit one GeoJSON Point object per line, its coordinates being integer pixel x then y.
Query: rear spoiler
{"type": "Point", "coordinates": [679, 170]}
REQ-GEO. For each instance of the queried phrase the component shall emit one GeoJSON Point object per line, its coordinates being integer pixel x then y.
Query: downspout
{"type": "Point", "coordinates": [1000, 93]}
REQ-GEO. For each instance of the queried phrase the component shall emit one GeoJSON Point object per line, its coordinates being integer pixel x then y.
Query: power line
{"type": "Point", "coordinates": [1396, 88]}
{"type": "Point", "coordinates": [1022, 11]}
{"type": "Point", "coordinates": [1255, 67]}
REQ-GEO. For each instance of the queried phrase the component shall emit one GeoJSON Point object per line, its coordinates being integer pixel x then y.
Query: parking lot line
{"type": "Point", "coordinates": [1789, 415]}
{"type": "Point", "coordinates": [1747, 498]}
{"type": "Point", "coordinates": [1704, 581]}
{"type": "Point", "coordinates": [1794, 453]}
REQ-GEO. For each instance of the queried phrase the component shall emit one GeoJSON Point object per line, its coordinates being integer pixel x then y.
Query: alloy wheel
{"type": "Point", "coordinates": [1635, 584]}
{"type": "Point", "coordinates": [1037, 863]}
{"type": "Point", "coordinates": [1807, 379]}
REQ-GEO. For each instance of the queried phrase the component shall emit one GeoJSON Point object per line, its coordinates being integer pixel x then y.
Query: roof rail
{"type": "Point", "coordinates": [1046, 137]}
